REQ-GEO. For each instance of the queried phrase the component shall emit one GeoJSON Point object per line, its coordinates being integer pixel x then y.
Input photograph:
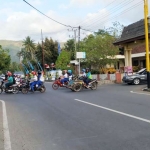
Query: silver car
{"type": "Point", "coordinates": [137, 78]}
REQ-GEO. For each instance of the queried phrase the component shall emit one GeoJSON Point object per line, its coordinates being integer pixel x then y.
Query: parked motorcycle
{"type": "Point", "coordinates": [26, 88]}
{"type": "Point", "coordinates": [11, 89]}
{"type": "Point", "coordinates": [79, 85]}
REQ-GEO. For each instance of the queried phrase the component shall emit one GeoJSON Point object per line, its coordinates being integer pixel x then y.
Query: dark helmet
{"type": "Point", "coordinates": [39, 72]}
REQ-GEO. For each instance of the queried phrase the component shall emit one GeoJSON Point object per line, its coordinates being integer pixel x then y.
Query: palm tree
{"type": "Point", "coordinates": [29, 46]}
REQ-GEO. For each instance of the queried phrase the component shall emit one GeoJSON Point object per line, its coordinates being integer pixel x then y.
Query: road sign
{"type": "Point", "coordinates": [80, 55]}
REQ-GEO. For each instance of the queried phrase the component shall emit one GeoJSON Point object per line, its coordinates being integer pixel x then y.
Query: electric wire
{"type": "Point", "coordinates": [112, 12]}
{"type": "Point", "coordinates": [92, 18]}
{"type": "Point", "coordinates": [126, 10]}
{"type": "Point", "coordinates": [48, 16]}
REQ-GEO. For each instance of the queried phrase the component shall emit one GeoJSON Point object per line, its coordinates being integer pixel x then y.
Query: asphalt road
{"type": "Point", "coordinates": [109, 118]}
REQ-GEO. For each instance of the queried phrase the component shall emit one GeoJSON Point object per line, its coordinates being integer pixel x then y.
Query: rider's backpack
{"type": "Point", "coordinates": [14, 81]}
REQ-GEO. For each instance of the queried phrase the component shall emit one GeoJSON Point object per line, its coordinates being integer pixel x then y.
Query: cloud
{"type": "Point", "coordinates": [83, 2]}
{"type": "Point", "coordinates": [18, 25]}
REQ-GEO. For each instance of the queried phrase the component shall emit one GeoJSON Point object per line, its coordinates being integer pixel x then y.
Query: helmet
{"type": "Point", "coordinates": [69, 71]}
{"type": "Point", "coordinates": [9, 73]}
{"type": "Point", "coordinates": [39, 72]}
{"type": "Point", "coordinates": [33, 72]}
{"type": "Point", "coordinates": [83, 70]}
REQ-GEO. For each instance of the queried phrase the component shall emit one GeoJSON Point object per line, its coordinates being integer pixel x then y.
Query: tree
{"type": "Point", "coordinates": [99, 49]}
{"type": "Point", "coordinates": [29, 46]}
{"type": "Point", "coordinates": [4, 59]}
{"type": "Point", "coordinates": [70, 46]}
{"type": "Point", "coordinates": [50, 51]}
{"type": "Point", "coordinates": [63, 60]}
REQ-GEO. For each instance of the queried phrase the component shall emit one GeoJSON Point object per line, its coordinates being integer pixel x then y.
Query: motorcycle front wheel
{"type": "Point", "coordinates": [55, 86]}
{"type": "Point", "coordinates": [24, 90]}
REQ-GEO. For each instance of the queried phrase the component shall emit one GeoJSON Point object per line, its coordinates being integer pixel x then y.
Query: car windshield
{"type": "Point", "coordinates": [140, 71]}
{"type": "Point", "coordinates": [19, 72]}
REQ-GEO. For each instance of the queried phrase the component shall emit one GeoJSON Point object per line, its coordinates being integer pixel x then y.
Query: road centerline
{"type": "Point", "coordinates": [115, 111]}
{"type": "Point", "coordinates": [7, 142]}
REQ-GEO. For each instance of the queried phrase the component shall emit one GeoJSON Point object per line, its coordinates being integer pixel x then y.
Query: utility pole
{"type": "Point", "coordinates": [42, 50]}
{"type": "Point", "coordinates": [147, 42]}
{"type": "Point", "coordinates": [75, 44]}
{"type": "Point", "coordinates": [79, 38]}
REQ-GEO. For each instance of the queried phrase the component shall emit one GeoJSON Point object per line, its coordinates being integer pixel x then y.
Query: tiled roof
{"type": "Point", "coordinates": [132, 31]}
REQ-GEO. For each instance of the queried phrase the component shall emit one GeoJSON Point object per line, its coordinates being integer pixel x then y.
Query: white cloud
{"type": "Point", "coordinates": [83, 2]}
{"type": "Point", "coordinates": [18, 25]}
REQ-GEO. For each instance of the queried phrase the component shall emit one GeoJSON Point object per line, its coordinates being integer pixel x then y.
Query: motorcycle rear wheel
{"type": "Point", "coordinates": [1, 90]}
{"type": "Point", "coordinates": [94, 86]}
{"type": "Point", "coordinates": [42, 89]}
{"type": "Point", "coordinates": [15, 90]}
{"type": "Point", "coordinates": [55, 86]}
{"type": "Point", "coordinates": [77, 87]}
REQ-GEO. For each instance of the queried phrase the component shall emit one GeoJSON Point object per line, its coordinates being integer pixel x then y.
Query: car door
{"type": "Point", "coordinates": [143, 76]}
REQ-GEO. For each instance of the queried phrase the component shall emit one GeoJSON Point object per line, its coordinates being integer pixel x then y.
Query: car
{"type": "Point", "coordinates": [2, 76]}
{"type": "Point", "coordinates": [19, 73]}
{"type": "Point", "coordinates": [137, 78]}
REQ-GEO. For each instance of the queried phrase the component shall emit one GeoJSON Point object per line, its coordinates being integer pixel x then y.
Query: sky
{"type": "Point", "coordinates": [19, 20]}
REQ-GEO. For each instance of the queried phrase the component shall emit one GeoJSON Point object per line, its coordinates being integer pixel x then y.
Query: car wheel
{"type": "Point", "coordinates": [136, 81]}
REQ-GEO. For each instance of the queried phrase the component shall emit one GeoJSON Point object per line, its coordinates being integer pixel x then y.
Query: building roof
{"type": "Point", "coordinates": [132, 32]}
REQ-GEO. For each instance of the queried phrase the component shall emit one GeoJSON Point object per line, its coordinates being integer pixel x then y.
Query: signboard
{"type": "Point", "coordinates": [128, 70]}
{"type": "Point", "coordinates": [80, 55]}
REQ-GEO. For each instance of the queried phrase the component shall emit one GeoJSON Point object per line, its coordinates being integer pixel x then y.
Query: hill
{"type": "Point", "coordinates": [13, 46]}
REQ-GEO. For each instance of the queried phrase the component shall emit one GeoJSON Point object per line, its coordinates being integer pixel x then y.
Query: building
{"type": "Point", "coordinates": [133, 42]}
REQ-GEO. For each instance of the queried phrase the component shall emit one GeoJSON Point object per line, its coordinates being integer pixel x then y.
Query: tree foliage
{"type": "Point", "coordinates": [50, 49]}
{"type": "Point", "coordinates": [99, 49]}
{"type": "Point", "coordinates": [63, 60]}
{"type": "Point", "coordinates": [70, 46]}
{"type": "Point", "coordinates": [4, 59]}
{"type": "Point", "coordinates": [29, 46]}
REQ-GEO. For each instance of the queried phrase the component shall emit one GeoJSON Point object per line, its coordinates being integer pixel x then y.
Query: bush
{"type": "Point", "coordinates": [136, 68]}
{"type": "Point", "coordinates": [107, 70]}
{"type": "Point", "coordinates": [95, 72]}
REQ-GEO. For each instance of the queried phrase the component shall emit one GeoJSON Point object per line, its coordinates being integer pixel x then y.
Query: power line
{"type": "Point", "coordinates": [91, 18]}
{"type": "Point", "coordinates": [48, 16]}
{"type": "Point", "coordinates": [126, 10]}
{"type": "Point", "coordinates": [113, 10]}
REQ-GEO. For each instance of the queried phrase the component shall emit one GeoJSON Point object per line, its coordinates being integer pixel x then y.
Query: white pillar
{"type": "Point", "coordinates": [129, 57]}
{"type": "Point", "coordinates": [126, 57]}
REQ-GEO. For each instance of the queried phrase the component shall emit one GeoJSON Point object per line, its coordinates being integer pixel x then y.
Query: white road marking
{"type": "Point", "coordinates": [139, 93]}
{"type": "Point", "coordinates": [7, 142]}
{"type": "Point", "coordinates": [115, 111]}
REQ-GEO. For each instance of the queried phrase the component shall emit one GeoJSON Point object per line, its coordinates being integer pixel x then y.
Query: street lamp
{"type": "Point", "coordinates": [147, 41]}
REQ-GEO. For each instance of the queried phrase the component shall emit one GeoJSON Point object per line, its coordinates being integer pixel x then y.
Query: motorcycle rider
{"type": "Point", "coordinates": [33, 80]}
{"type": "Point", "coordinates": [40, 78]}
{"type": "Point", "coordinates": [70, 74]}
{"type": "Point", "coordinates": [83, 73]}
{"type": "Point", "coordinates": [10, 79]}
{"type": "Point", "coordinates": [65, 77]}
{"type": "Point", "coordinates": [88, 77]}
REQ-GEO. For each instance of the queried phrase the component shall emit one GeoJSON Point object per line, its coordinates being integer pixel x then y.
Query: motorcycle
{"type": "Point", "coordinates": [57, 83]}
{"type": "Point", "coordinates": [11, 89]}
{"type": "Point", "coordinates": [79, 85]}
{"type": "Point", "coordinates": [26, 88]}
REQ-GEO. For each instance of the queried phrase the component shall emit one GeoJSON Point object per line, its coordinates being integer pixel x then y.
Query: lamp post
{"type": "Point", "coordinates": [147, 41]}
